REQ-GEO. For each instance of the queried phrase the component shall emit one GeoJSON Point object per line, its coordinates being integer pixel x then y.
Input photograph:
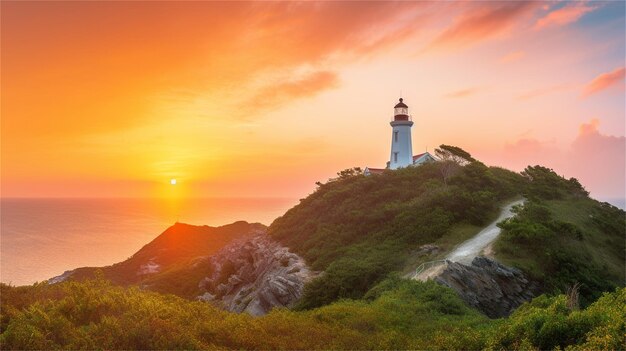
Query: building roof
{"type": "Point", "coordinates": [423, 156]}
{"type": "Point", "coordinates": [375, 170]}
{"type": "Point", "coordinates": [416, 157]}
{"type": "Point", "coordinates": [400, 104]}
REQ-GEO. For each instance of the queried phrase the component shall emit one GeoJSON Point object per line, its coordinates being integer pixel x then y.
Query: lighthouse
{"type": "Point", "coordinates": [401, 147]}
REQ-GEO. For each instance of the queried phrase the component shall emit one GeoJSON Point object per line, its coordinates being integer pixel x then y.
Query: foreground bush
{"type": "Point", "coordinates": [548, 323]}
{"type": "Point", "coordinates": [397, 314]}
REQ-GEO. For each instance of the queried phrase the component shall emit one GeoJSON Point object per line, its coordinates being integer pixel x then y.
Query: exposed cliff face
{"type": "Point", "coordinates": [493, 288]}
{"type": "Point", "coordinates": [237, 266]}
{"type": "Point", "coordinates": [254, 275]}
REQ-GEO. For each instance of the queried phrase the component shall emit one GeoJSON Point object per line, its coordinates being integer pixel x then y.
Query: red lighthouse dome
{"type": "Point", "coordinates": [401, 111]}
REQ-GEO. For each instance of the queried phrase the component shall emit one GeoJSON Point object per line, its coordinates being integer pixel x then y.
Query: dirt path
{"type": "Point", "coordinates": [466, 251]}
{"type": "Point", "coordinates": [471, 248]}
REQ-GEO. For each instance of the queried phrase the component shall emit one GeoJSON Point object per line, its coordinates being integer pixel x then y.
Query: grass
{"type": "Point", "coordinates": [604, 250]}
{"type": "Point", "coordinates": [567, 241]}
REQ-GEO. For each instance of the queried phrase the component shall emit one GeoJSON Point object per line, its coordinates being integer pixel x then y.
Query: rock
{"type": "Point", "coordinates": [150, 267]}
{"type": "Point", "coordinates": [254, 275]}
{"type": "Point", "coordinates": [427, 250]}
{"type": "Point", "coordinates": [206, 297]}
{"type": "Point", "coordinates": [60, 278]}
{"type": "Point", "coordinates": [491, 287]}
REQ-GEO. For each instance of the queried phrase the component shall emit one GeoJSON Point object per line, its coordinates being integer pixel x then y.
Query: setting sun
{"type": "Point", "coordinates": [173, 181]}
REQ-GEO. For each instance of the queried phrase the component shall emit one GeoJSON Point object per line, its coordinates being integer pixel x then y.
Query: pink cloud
{"type": "Point", "coordinates": [309, 85]}
{"type": "Point", "coordinates": [595, 159]}
{"type": "Point", "coordinates": [525, 151]}
{"type": "Point", "coordinates": [563, 16]}
{"type": "Point", "coordinates": [604, 81]}
{"type": "Point", "coordinates": [483, 22]}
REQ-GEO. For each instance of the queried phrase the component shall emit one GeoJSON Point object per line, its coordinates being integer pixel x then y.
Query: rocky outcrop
{"type": "Point", "coordinates": [254, 275]}
{"type": "Point", "coordinates": [150, 267]}
{"type": "Point", "coordinates": [493, 288]}
{"type": "Point", "coordinates": [60, 278]}
{"type": "Point", "coordinates": [427, 250]}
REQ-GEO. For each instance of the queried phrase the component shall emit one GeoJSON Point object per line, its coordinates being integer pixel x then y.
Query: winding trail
{"type": "Point", "coordinates": [466, 251]}
{"type": "Point", "coordinates": [471, 248]}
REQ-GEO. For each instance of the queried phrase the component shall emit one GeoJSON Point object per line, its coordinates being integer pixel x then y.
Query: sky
{"type": "Point", "coordinates": [263, 99]}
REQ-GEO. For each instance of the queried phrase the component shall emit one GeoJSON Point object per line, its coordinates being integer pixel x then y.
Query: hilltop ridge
{"type": "Point", "coordinates": [358, 228]}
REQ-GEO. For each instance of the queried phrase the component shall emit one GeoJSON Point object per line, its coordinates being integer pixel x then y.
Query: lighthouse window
{"type": "Point", "coordinates": [401, 111]}
{"type": "Point", "coordinates": [395, 136]}
{"type": "Point", "coordinates": [395, 156]}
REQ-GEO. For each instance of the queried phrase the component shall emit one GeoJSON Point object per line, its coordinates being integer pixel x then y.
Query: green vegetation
{"type": "Point", "coordinates": [562, 237]}
{"type": "Point", "coordinates": [358, 229]}
{"type": "Point", "coordinates": [453, 153]}
{"type": "Point", "coordinates": [547, 323]}
{"type": "Point", "coordinates": [396, 314]}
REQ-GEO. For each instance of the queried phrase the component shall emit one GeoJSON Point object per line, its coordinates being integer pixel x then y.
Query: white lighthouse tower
{"type": "Point", "coordinates": [401, 147]}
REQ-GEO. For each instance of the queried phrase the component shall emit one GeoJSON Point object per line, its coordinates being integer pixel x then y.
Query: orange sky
{"type": "Point", "coordinates": [264, 99]}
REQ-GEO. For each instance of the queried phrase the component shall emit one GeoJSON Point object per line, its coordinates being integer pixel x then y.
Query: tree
{"type": "Point", "coordinates": [350, 172]}
{"type": "Point", "coordinates": [454, 154]}
{"type": "Point", "coordinates": [547, 184]}
{"type": "Point", "coordinates": [447, 169]}
{"type": "Point", "coordinates": [451, 158]}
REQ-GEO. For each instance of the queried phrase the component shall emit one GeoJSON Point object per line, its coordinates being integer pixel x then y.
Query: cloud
{"type": "Point", "coordinates": [482, 22]}
{"type": "Point", "coordinates": [112, 58]}
{"type": "Point", "coordinates": [308, 85]}
{"type": "Point", "coordinates": [462, 93]}
{"type": "Point", "coordinates": [596, 159]}
{"type": "Point", "coordinates": [605, 81]}
{"type": "Point", "coordinates": [527, 150]}
{"type": "Point", "coordinates": [590, 128]}
{"type": "Point", "coordinates": [567, 14]}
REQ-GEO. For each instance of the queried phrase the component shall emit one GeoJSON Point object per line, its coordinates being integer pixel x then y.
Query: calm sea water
{"type": "Point", "coordinates": [619, 202]}
{"type": "Point", "coordinates": [42, 238]}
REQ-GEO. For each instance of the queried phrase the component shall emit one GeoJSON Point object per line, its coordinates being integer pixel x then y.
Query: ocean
{"type": "Point", "coordinates": [618, 202]}
{"type": "Point", "coordinates": [42, 238]}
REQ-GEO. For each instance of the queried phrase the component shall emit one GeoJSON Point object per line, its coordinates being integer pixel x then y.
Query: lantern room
{"type": "Point", "coordinates": [401, 111]}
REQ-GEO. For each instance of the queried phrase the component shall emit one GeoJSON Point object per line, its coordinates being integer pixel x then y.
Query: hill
{"type": "Point", "coordinates": [171, 262]}
{"type": "Point", "coordinates": [360, 228]}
